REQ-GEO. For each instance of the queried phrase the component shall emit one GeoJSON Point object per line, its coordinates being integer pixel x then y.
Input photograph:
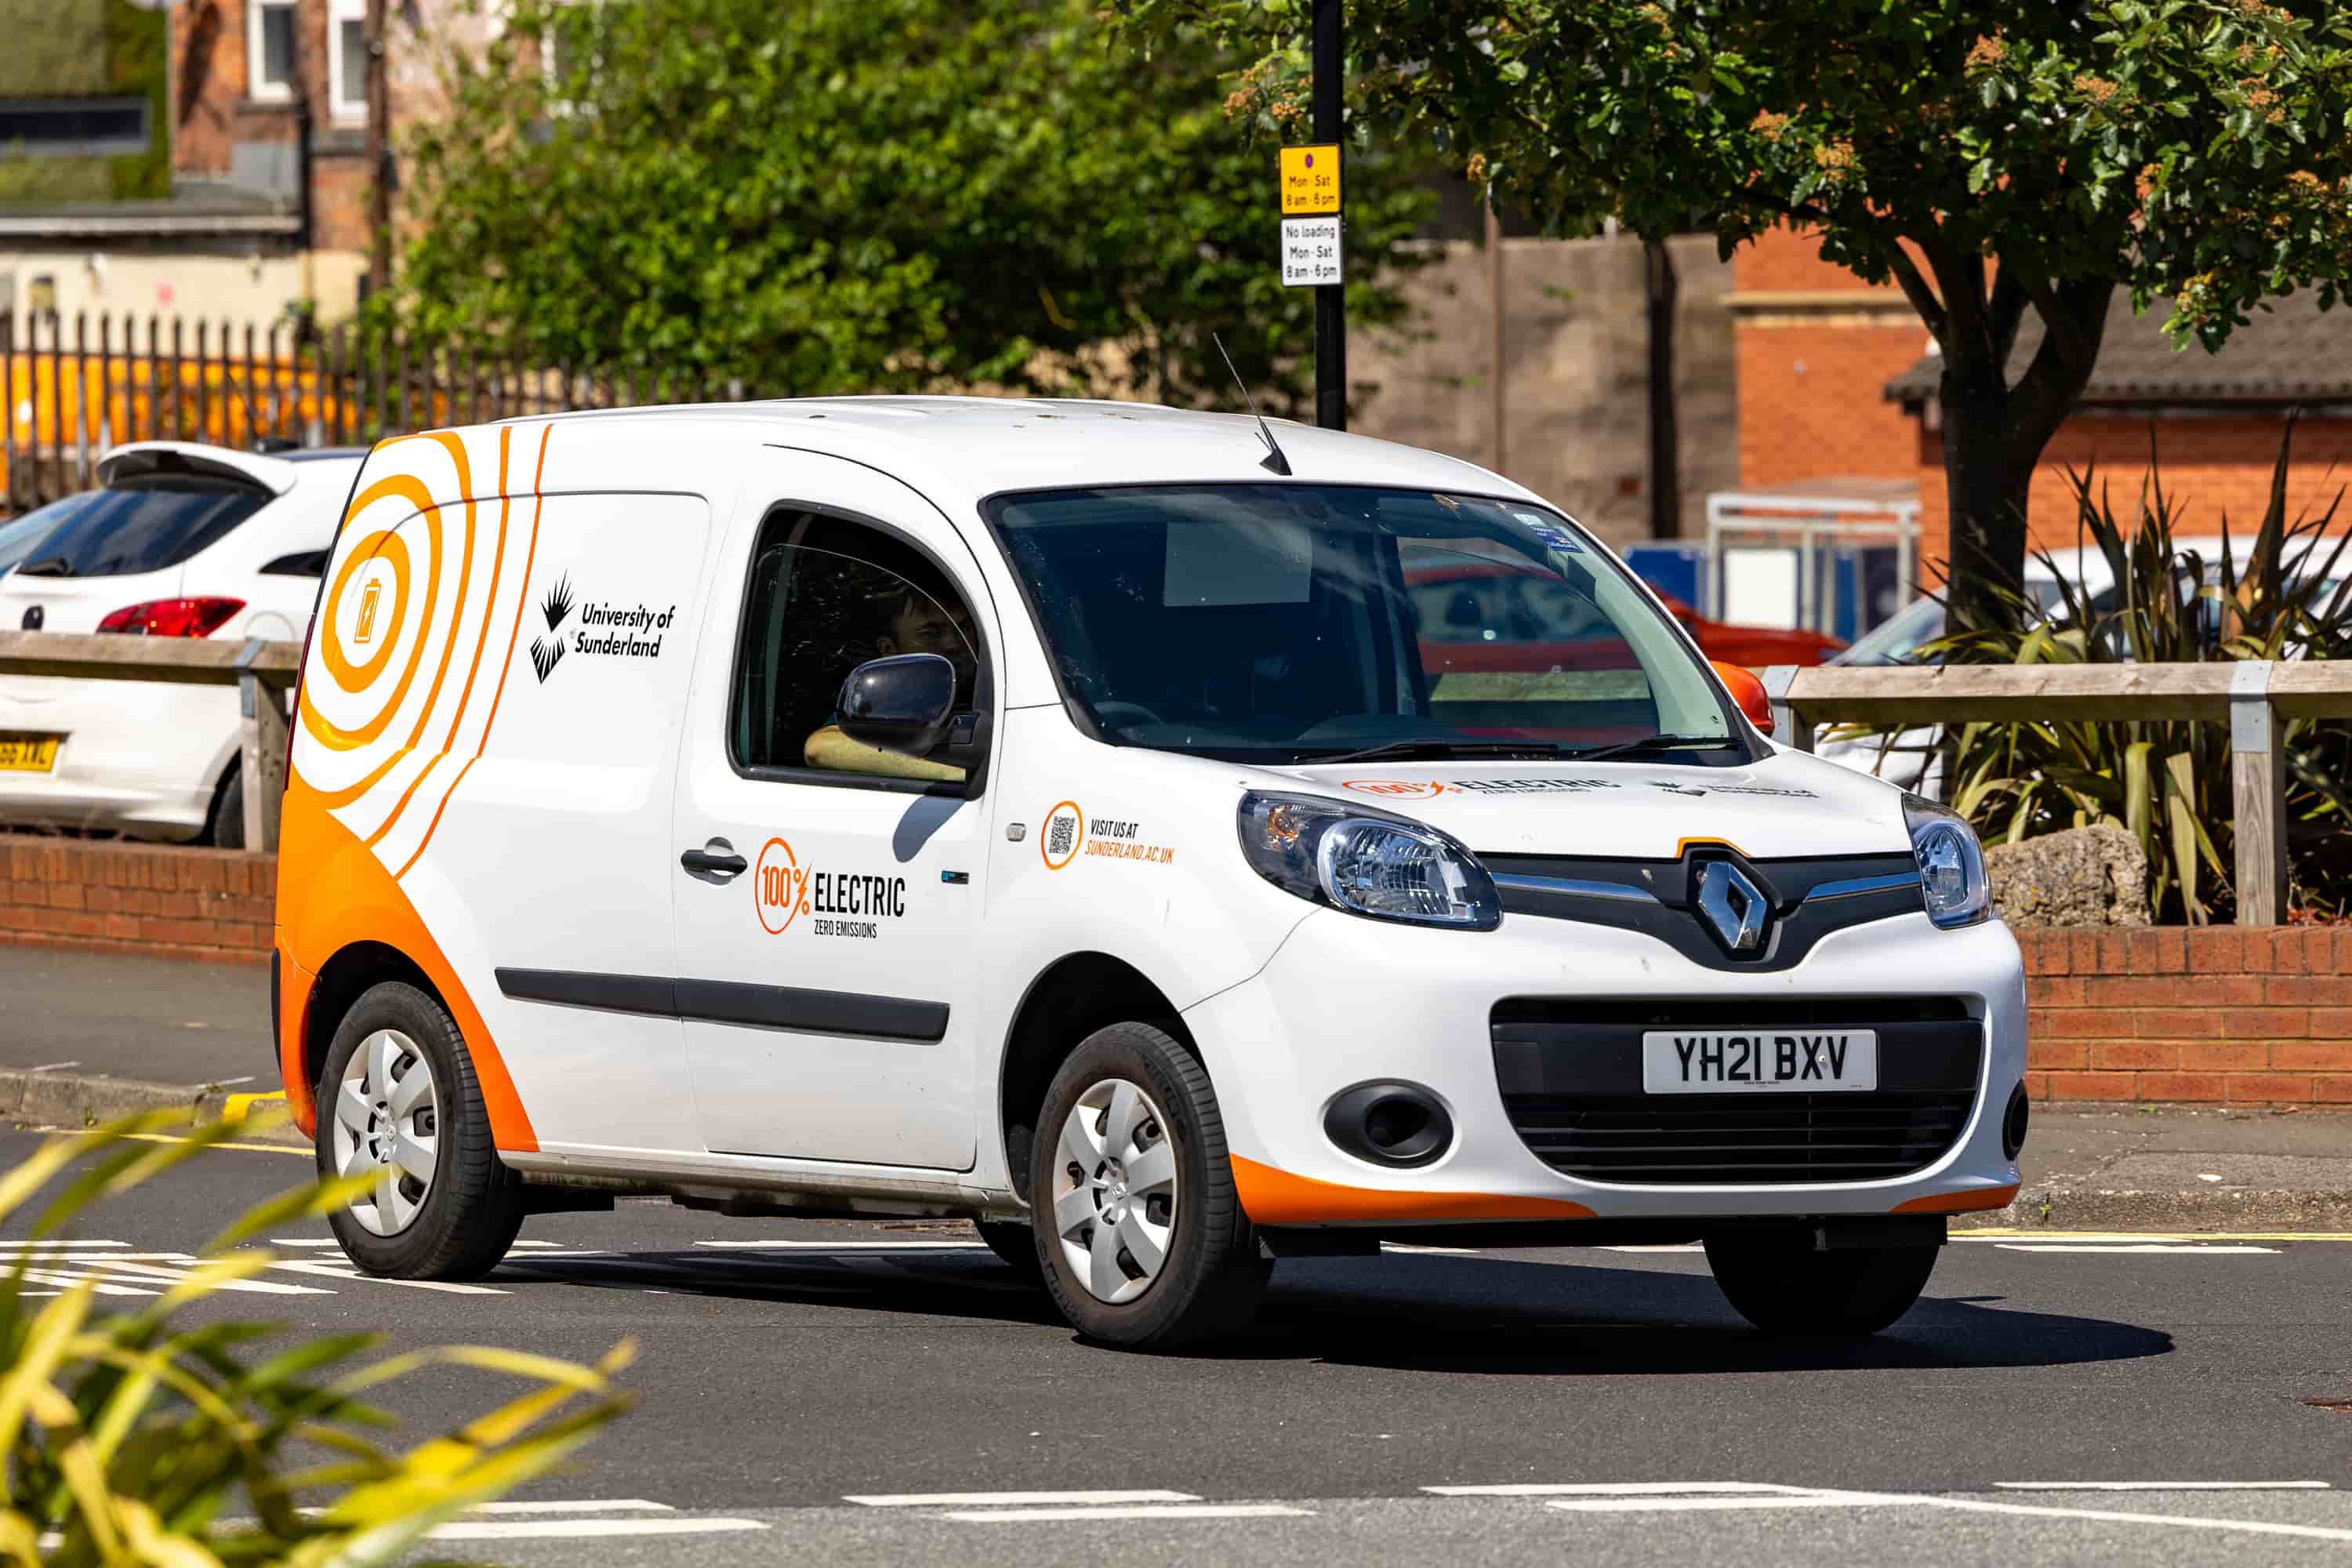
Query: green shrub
{"type": "Point", "coordinates": [2287, 595]}
{"type": "Point", "coordinates": [132, 1438]}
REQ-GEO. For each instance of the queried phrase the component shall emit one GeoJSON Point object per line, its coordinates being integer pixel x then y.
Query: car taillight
{"type": "Point", "coordinates": [173, 617]}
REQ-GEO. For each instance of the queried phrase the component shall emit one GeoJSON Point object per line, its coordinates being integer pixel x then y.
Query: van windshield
{"type": "Point", "coordinates": [1297, 622]}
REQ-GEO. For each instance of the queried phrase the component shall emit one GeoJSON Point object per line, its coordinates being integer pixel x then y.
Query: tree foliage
{"type": "Point", "coordinates": [1986, 155]}
{"type": "Point", "coordinates": [856, 196]}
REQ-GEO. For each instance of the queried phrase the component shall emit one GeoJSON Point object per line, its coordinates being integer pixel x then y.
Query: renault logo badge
{"type": "Point", "coordinates": [1732, 905]}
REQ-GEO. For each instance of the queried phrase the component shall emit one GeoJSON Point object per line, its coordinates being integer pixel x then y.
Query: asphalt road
{"type": "Point", "coordinates": [159, 1019]}
{"type": "Point", "coordinates": [2052, 1401]}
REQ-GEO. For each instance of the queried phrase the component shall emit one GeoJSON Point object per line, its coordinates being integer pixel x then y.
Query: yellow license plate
{"type": "Point", "coordinates": [29, 753]}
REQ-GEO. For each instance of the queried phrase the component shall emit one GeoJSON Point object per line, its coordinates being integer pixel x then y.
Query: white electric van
{"type": "Point", "coordinates": [1175, 843]}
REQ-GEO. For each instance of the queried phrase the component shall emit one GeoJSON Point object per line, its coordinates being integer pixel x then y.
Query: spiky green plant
{"type": "Point", "coordinates": [133, 1437]}
{"type": "Point", "coordinates": [2167, 781]}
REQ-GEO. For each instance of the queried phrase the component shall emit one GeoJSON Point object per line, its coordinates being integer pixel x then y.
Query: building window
{"type": "Point", "coordinates": [347, 59]}
{"type": "Point", "coordinates": [73, 127]}
{"type": "Point", "coordinates": [269, 42]}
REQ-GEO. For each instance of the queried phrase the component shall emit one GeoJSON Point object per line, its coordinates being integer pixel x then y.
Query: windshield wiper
{"type": "Point", "coordinates": [1436, 746]}
{"type": "Point", "coordinates": [46, 567]}
{"type": "Point", "coordinates": [1659, 742]}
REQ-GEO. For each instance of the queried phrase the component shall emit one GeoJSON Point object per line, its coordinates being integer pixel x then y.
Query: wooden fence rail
{"type": "Point", "coordinates": [2253, 696]}
{"type": "Point", "coordinates": [261, 671]}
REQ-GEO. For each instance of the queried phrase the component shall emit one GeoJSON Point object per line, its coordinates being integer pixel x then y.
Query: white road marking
{"type": "Point", "coordinates": [351, 1276]}
{"type": "Point", "coordinates": [617, 1505]}
{"type": "Point", "coordinates": [1670, 1246]}
{"type": "Point", "coordinates": [848, 1245]}
{"type": "Point", "coordinates": [1407, 1247]}
{"type": "Point", "coordinates": [1147, 1511]}
{"type": "Point", "coordinates": [1824, 1497]}
{"type": "Point", "coordinates": [56, 1067]}
{"type": "Point", "coordinates": [1600, 1489]}
{"type": "Point", "coordinates": [1719, 1504]}
{"type": "Point", "coordinates": [583, 1528]}
{"type": "Point", "coordinates": [2137, 1246]}
{"type": "Point", "coordinates": [2165, 1486]}
{"type": "Point", "coordinates": [10, 1247]}
{"type": "Point", "coordinates": [2111, 1516]}
{"type": "Point", "coordinates": [967, 1499]}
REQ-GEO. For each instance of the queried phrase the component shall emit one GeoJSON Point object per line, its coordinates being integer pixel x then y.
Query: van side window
{"type": "Point", "coordinates": [827, 595]}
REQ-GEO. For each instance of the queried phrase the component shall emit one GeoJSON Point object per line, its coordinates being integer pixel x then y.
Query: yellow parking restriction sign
{"type": "Point", "coordinates": [1310, 179]}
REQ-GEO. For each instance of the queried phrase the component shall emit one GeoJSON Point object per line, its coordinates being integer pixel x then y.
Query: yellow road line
{"type": "Point", "coordinates": [239, 1106]}
{"type": "Point", "coordinates": [248, 1148]}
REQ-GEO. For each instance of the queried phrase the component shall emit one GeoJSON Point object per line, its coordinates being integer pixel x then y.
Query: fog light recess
{"type": "Point", "coordinates": [1390, 1123]}
{"type": "Point", "coordinates": [2013, 1123]}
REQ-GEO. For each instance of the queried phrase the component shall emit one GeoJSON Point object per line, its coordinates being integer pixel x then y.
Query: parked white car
{"type": "Point", "coordinates": [1074, 816]}
{"type": "Point", "coordinates": [182, 540]}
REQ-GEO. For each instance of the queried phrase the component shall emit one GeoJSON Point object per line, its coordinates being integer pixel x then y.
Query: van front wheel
{"type": "Point", "coordinates": [1142, 1237]}
{"type": "Point", "coordinates": [398, 1104]}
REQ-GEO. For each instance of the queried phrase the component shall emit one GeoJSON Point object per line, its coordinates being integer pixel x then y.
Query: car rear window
{"type": "Point", "coordinates": [144, 526]}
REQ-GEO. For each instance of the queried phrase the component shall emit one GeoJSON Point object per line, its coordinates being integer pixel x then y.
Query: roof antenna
{"type": "Point", "coordinates": [1274, 459]}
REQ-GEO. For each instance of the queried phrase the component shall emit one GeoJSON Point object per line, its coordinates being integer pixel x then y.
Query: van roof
{"type": "Point", "coordinates": [970, 448]}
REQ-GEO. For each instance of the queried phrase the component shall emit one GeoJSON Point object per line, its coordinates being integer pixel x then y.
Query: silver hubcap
{"type": "Point", "coordinates": [387, 1124]}
{"type": "Point", "coordinates": [1115, 1193]}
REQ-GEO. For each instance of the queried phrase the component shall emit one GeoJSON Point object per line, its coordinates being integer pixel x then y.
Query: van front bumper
{"type": "Point", "coordinates": [1348, 1000]}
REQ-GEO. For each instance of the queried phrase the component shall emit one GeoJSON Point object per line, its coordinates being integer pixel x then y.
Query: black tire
{"type": "Point", "coordinates": [474, 1206]}
{"type": "Point", "coordinates": [1016, 1244]}
{"type": "Point", "coordinates": [1212, 1275]}
{"type": "Point", "coordinates": [1783, 1287]}
{"type": "Point", "coordinates": [224, 824]}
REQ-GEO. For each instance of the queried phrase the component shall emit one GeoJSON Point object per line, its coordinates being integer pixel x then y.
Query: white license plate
{"type": "Point", "coordinates": [1732, 1061]}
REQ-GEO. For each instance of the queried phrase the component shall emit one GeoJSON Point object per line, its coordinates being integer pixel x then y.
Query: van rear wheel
{"type": "Point", "coordinates": [1783, 1287]}
{"type": "Point", "coordinates": [398, 1104]}
{"type": "Point", "coordinates": [1144, 1241]}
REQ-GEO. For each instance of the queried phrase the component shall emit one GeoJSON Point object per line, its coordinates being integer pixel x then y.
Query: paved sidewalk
{"type": "Point", "coordinates": [112, 1033]}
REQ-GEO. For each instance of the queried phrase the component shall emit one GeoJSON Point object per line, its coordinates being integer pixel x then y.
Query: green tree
{"type": "Point", "coordinates": [858, 195]}
{"type": "Point", "coordinates": [1988, 157]}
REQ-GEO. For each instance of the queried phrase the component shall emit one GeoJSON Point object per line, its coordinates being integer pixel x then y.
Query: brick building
{"type": "Point", "coordinates": [1837, 381]}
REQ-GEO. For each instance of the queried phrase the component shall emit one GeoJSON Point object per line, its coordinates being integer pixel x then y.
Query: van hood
{"type": "Point", "coordinates": [1785, 805]}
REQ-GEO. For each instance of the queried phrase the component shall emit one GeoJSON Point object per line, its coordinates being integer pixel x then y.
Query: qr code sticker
{"type": "Point", "coordinates": [1060, 837]}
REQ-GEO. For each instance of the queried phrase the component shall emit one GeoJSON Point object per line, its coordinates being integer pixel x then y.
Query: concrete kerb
{"type": "Point", "coordinates": [2121, 1210]}
{"type": "Point", "coordinates": [78, 1100]}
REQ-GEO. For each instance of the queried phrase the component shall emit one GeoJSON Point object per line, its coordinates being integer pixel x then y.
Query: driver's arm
{"type": "Point", "coordinates": [832, 750]}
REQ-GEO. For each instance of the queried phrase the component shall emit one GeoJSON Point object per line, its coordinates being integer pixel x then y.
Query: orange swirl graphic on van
{"type": "Point", "coordinates": [1396, 789]}
{"type": "Point", "coordinates": [779, 888]}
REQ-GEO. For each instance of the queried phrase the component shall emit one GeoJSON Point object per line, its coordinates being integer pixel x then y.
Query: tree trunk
{"type": "Point", "coordinates": [1985, 483]}
{"type": "Point", "coordinates": [1665, 443]}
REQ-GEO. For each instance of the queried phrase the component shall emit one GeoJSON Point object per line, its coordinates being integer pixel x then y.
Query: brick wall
{"type": "Point", "coordinates": [160, 899]}
{"type": "Point", "coordinates": [2255, 1017]}
{"type": "Point", "coordinates": [2212, 467]}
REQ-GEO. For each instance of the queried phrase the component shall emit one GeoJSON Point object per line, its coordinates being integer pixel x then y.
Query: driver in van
{"type": "Point", "coordinates": [912, 622]}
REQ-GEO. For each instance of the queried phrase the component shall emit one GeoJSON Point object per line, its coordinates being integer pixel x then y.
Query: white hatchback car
{"type": "Point", "coordinates": [1062, 814]}
{"type": "Point", "coordinates": [182, 540]}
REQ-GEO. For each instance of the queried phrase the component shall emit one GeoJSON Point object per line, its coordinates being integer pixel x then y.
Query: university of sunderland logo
{"type": "Point", "coordinates": [547, 651]}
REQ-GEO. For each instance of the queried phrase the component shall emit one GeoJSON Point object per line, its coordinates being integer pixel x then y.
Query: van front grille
{"type": "Point", "coordinates": [1739, 1139]}
{"type": "Point", "coordinates": [1571, 1075]}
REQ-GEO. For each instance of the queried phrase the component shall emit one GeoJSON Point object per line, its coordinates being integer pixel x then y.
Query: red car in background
{"type": "Point", "coordinates": [1532, 610]}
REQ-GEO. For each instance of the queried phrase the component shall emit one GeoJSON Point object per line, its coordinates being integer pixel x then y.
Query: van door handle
{"type": "Point", "coordinates": [716, 860]}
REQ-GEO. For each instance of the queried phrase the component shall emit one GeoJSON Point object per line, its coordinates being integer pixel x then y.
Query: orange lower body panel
{"type": "Point", "coordinates": [331, 892]}
{"type": "Point", "coordinates": [1270, 1196]}
{"type": "Point", "coordinates": [1959, 1203]}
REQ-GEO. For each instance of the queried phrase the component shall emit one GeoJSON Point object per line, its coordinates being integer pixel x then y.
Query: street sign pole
{"type": "Point", "coordinates": [1330, 299]}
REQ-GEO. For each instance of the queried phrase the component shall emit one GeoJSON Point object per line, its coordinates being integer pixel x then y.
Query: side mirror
{"type": "Point", "coordinates": [1748, 692]}
{"type": "Point", "coordinates": [903, 703]}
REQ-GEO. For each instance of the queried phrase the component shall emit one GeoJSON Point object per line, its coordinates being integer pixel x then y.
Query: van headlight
{"type": "Point", "coordinates": [1367, 862]}
{"type": "Point", "coordinates": [1951, 863]}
